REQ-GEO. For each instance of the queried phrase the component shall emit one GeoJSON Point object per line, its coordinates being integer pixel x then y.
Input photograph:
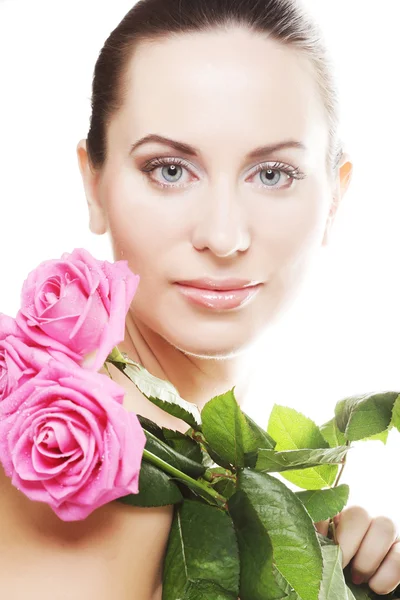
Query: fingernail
{"type": "Point", "coordinates": [356, 578]}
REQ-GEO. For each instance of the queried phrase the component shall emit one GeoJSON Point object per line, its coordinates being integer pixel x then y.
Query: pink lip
{"type": "Point", "coordinates": [219, 299]}
{"type": "Point", "coordinates": [208, 283]}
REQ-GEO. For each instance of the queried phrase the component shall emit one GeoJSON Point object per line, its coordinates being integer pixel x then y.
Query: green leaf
{"type": "Point", "coordinates": [172, 457]}
{"type": "Point", "coordinates": [232, 435]}
{"type": "Point", "coordinates": [332, 433]}
{"type": "Point", "coordinates": [155, 489]}
{"type": "Point", "coordinates": [203, 590]}
{"type": "Point", "coordinates": [217, 459]}
{"type": "Point", "coordinates": [380, 437]}
{"type": "Point", "coordinates": [161, 393]}
{"type": "Point", "coordinates": [395, 421]}
{"type": "Point", "coordinates": [152, 427]}
{"type": "Point", "coordinates": [294, 431]}
{"type": "Point", "coordinates": [296, 549]}
{"type": "Point", "coordinates": [183, 444]}
{"type": "Point", "coordinates": [270, 461]}
{"type": "Point", "coordinates": [225, 487]}
{"type": "Point", "coordinates": [254, 438]}
{"type": "Point", "coordinates": [335, 437]}
{"type": "Point", "coordinates": [325, 504]}
{"type": "Point", "coordinates": [362, 416]}
{"type": "Point", "coordinates": [333, 585]}
{"type": "Point", "coordinates": [257, 581]}
{"type": "Point", "coordinates": [207, 461]}
{"type": "Point", "coordinates": [290, 593]}
{"type": "Point", "coordinates": [202, 551]}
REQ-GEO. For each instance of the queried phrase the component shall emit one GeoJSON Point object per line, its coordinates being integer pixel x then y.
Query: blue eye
{"type": "Point", "coordinates": [271, 175]}
{"type": "Point", "coordinates": [172, 169]}
{"type": "Point", "coordinates": [274, 175]}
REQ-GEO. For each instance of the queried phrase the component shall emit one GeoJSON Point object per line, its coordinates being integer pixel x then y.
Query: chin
{"type": "Point", "coordinates": [212, 354]}
{"type": "Point", "coordinates": [214, 345]}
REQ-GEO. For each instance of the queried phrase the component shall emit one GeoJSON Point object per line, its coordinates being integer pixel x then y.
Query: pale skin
{"type": "Point", "coordinates": [218, 218]}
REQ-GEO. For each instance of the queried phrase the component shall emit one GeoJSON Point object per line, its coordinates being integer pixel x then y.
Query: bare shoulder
{"type": "Point", "coordinates": [131, 541]}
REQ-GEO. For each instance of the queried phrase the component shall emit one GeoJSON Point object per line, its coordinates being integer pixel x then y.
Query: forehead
{"type": "Point", "coordinates": [227, 85]}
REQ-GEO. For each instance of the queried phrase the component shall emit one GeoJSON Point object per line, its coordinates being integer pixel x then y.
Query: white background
{"type": "Point", "coordinates": [342, 336]}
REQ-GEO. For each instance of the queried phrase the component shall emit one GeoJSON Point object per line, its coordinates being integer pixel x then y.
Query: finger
{"type": "Point", "coordinates": [322, 527]}
{"type": "Point", "coordinates": [374, 547]}
{"type": "Point", "coordinates": [353, 524]}
{"type": "Point", "coordinates": [387, 577]}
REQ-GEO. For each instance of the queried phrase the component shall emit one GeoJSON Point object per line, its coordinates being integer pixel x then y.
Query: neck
{"type": "Point", "coordinates": [197, 379]}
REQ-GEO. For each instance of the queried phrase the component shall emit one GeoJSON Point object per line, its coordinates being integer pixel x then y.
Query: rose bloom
{"type": "Point", "coordinates": [77, 305]}
{"type": "Point", "coordinates": [20, 358]}
{"type": "Point", "coordinates": [66, 440]}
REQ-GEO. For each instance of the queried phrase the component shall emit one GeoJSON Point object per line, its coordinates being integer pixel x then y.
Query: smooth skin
{"type": "Point", "coordinates": [225, 93]}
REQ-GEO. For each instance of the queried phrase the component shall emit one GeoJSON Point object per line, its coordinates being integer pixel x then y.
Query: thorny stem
{"type": "Point", "coordinates": [194, 483]}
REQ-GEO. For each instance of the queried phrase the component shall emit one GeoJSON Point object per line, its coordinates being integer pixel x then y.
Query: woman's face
{"type": "Point", "coordinates": [215, 212]}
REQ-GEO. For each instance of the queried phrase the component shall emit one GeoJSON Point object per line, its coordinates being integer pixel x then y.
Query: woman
{"type": "Point", "coordinates": [221, 233]}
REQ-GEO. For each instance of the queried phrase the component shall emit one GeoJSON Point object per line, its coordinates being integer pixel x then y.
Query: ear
{"type": "Point", "coordinates": [341, 185]}
{"type": "Point", "coordinates": [97, 216]}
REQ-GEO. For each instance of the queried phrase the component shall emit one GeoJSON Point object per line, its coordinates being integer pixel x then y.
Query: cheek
{"type": "Point", "coordinates": [145, 230]}
{"type": "Point", "coordinates": [293, 230]}
{"type": "Point", "coordinates": [134, 236]}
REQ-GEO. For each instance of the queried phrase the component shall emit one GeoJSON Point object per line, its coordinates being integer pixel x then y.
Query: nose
{"type": "Point", "coordinates": [221, 225]}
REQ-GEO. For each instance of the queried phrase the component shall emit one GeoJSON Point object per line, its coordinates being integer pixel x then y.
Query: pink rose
{"type": "Point", "coordinates": [66, 440]}
{"type": "Point", "coordinates": [8, 326]}
{"type": "Point", "coordinates": [77, 305]}
{"type": "Point", "coordinates": [20, 359]}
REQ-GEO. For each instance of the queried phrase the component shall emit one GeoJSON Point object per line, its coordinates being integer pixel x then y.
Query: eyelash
{"type": "Point", "coordinates": [149, 167]}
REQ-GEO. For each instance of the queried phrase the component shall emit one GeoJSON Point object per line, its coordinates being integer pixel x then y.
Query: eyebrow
{"type": "Point", "coordinates": [191, 151]}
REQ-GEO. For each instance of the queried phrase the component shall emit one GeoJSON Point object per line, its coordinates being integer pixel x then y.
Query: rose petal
{"type": "Point", "coordinates": [66, 439]}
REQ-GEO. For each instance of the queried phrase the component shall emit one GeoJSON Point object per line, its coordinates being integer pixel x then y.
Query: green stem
{"type": "Point", "coordinates": [331, 521]}
{"type": "Point", "coordinates": [342, 467]}
{"type": "Point", "coordinates": [116, 358]}
{"type": "Point", "coordinates": [208, 477]}
{"type": "Point", "coordinates": [194, 483]}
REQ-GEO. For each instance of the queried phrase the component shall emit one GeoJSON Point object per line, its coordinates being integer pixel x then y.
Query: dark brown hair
{"type": "Point", "coordinates": [282, 20]}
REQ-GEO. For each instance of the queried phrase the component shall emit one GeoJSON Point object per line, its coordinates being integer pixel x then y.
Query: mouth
{"type": "Point", "coordinates": [219, 297]}
{"type": "Point", "coordinates": [211, 283]}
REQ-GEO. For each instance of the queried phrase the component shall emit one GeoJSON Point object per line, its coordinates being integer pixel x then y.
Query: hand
{"type": "Point", "coordinates": [372, 543]}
